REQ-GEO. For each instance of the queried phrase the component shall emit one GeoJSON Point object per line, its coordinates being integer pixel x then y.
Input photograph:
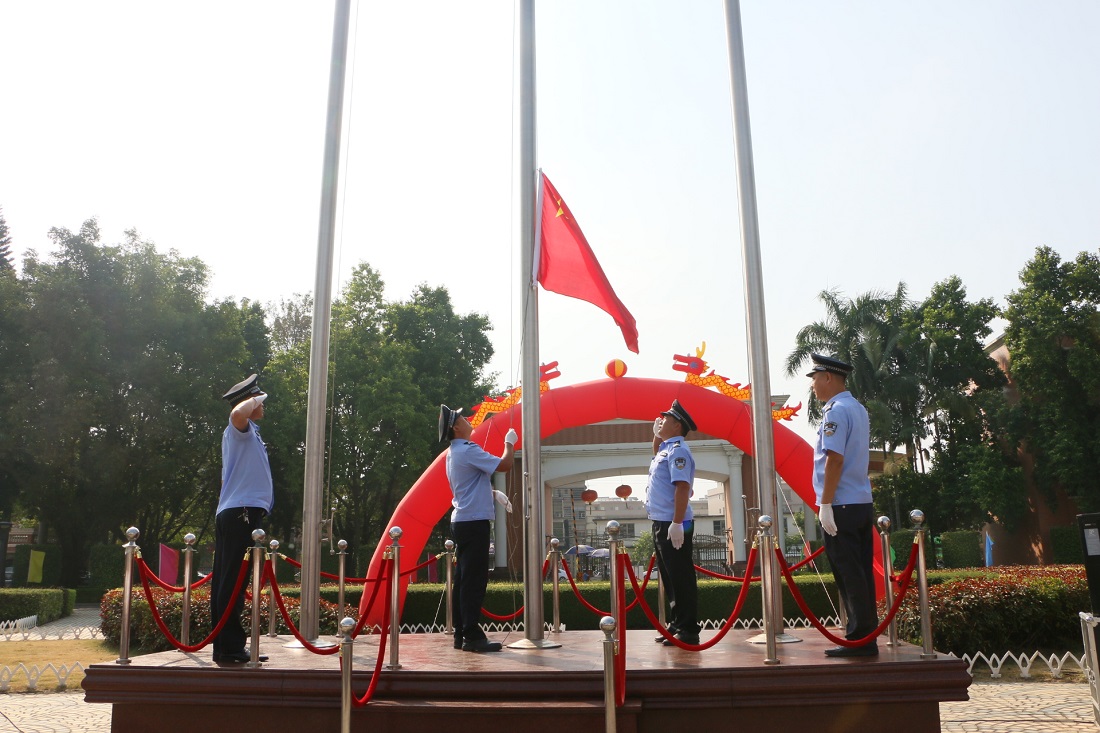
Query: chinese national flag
{"type": "Point", "coordinates": [567, 265]}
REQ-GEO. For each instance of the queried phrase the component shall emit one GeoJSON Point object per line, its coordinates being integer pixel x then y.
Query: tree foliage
{"type": "Point", "coordinates": [6, 265]}
{"type": "Point", "coordinates": [1053, 339]}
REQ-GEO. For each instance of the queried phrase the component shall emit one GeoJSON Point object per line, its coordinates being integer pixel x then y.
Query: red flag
{"type": "Point", "coordinates": [168, 567]}
{"type": "Point", "coordinates": [568, 266]}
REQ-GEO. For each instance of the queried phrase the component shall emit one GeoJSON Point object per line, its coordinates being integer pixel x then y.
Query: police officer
{"type": "Point", "coordinates": [246, 498]}
{"type": "Point", "coordinates": [668, 494]}
{"type": "Point", "coordinates": [469, 468]}
{"type": "Point", "coordinates": [843, 490]}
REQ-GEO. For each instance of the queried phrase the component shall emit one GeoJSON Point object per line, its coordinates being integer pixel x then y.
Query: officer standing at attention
{"type": "Point", "coordinates": [246, 498]}
{"type": "Point", "coordinates": [668, 494]}
{"type": "Point", "coordinates": [841, 457]}
{"type": "Point", "coordinates": [469, 468]}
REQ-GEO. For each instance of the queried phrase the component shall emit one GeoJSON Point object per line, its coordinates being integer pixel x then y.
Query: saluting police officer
{"type": "Point", "coordinates": [668, 495]}
{"type": "Point", "coordinates": [843, 490]}
{"type": "Point", "coordinates": [246, 498]}
{"type": "Point", "coordinates": [469, 468]}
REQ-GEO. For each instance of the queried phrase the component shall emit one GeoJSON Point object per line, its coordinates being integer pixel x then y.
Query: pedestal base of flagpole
{"type": "Point", "coordinates": [534, 644]}
{"type": "Point", "coordinates": [783, 638]}
{"type": "Point", "coordinates": [318, 643]}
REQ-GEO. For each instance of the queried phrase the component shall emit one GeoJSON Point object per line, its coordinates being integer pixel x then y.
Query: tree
{"type": "Point", "coordinates": [6, 265]}
{"type": "Point", "coordinates": [1053, 338]}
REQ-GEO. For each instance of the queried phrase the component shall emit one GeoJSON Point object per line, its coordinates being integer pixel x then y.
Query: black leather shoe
{"type": "Point", "coordinates": [481, 645]}
{"type": "Point", "coordinates": [237, 657]}
{"type": "Point", "coordinates": [660, 639]}
{"type": "Point", "coordinates": [684, 639]}
{"type": "Point", "coordinates": [458, 642]}
{"type": "Point", "coordinates": [869, 650]}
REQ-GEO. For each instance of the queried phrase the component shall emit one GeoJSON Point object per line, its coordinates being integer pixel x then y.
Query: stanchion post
{"type": "Point", "coordinates": [127, 585]}
{"type": "Point", "coordinates": [767, 545]}
{"type": "Point", "coordinates": [188, 564]}
{"type": "Point", "coordinates": [607, 626]}
{"type": "Point", "coordinates": [395, 599]}
{"type": "Point", "coordinates": [1088, 638]}
{"type": "Point", "coordinates": [616, 575]}
{"type": "Point", "coordinates": [449, 546]}
{"type": "Point", "coordinates": [272, 606]}
{"type": "Point", "coordinates": [888, 574]}
{"type": "Point", "coordinates": [917, 517]}
{"type": "Point", "coordinates": [555, 567]}
{"type": "Point", "coordinates": [343, 553]}
{"type": "Point", "coordinates": [347, 643]}
{"type": "Point", "coordinates": [258, 536]}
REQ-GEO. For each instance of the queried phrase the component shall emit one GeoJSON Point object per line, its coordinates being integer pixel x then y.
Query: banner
{"type": "Point", "coordinates": [34, 571]}
{"type": "Point", "coordinates": [168, 567]}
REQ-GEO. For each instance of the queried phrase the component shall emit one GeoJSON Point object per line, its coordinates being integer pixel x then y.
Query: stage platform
{"type": "Point", "coordinates": [536, 691]}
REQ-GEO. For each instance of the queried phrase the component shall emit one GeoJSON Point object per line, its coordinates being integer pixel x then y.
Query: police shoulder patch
{"type": "Point", "coordinates": [829, 428]}
{"type": "Point", "coordinates": [680, 462]}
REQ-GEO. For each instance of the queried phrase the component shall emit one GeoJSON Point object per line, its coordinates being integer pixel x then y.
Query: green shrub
{"type": "Point", "coordinates": [51, 566]}
{"type": "Point", "coordinates": [962, 549]}
{"type": "Point", "coordinates": [995, 610]}
{"type": "Point", "coordinates": [1066, 545]}
{"type": "Point", "coordinates": [901, 542]}
{"type": "Point", "coordinates": [46, 603]}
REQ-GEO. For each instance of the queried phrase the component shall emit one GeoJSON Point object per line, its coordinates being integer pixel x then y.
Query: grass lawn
{"type": "Point", "coordinates": [60, 653]}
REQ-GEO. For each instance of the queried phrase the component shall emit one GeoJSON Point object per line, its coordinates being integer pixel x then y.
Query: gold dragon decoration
{"type": "Point", "coordinates": [511, 397]}
{"type": "Point", "coordinates": [695, 366]}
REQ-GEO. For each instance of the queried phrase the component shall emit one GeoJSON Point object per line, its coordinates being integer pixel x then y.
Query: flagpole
{"type": "Point", "coordinates": [319, 343]}
{"type": "Point", "coordinates": [534, 507]}
{"type": "Point", "coordinates": [763, 445]}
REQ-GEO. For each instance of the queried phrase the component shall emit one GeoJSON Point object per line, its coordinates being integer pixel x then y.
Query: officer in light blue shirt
{"type": "Point", "coordinates": [668, 495]}
{"type": "Point", "coordinates": [469, 470]}
{"type": "Point", "coordinates": [246, 498]}
{"type": "Point", "coordinates": [843, 489]}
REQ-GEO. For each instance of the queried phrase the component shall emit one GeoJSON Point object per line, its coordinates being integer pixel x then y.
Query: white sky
{"type": "Point", "coordinates": [914, 140]}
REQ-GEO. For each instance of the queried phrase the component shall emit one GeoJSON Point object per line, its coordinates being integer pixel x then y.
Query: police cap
{"type": "Point", "coordinates": [829, 364]}
{"type": "Point", "coordinates": [241, 391]}
{"type": "Point", "coordinates": [677, 411]}
{"type": "Point", "coordinates": [447, 418]}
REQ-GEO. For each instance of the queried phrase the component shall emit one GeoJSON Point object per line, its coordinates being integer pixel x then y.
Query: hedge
{"type": "Point", "coordinates": [962, 549]}
{"type": "Point", "coordinates": [1066, 545]}
{"type": "Point", "coordinates": [49, 604]}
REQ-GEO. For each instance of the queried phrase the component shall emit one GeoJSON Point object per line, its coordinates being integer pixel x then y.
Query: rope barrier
{"type": "Point", "coordinates": [509, 617]}
{"type": "Point", "coordinates": [593, 609]}
{"type": "Point", "coordinates": [369, 694]}
{"type": "Point", "coordinates": [907, 578]}
{"type": "Point", "coordinates": [722, 631]}
{"type": "Point", "coordinates": [330, 576]}
{"type": "Point", "coordinates": [756, 578]}
{"type": "Point", "coordinates": [174, 588]}
{"type": "Point", "coordinates": [143, 569]}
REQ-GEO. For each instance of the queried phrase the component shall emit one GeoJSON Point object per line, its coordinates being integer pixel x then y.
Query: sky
{"type": "Point", "coordinates": [892, 142]}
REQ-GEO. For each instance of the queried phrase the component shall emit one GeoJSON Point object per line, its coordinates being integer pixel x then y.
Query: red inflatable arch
{"type": "Point", "coordinates": [583, 404]}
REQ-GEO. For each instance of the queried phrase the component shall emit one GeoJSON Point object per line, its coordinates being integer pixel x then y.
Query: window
{"type": "Point", "coordinates": [719, 527]}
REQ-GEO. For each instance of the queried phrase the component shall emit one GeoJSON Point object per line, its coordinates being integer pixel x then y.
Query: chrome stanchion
{"type": "Point", "coordinates": [767, 543]}
{"type": "Point", "coordinates": [343, 553]}
{"type": "Point", "coordinates": [347, 625]}
{"type": "Point", "coordinates": [127, 586]}
{"type": "Point", "coordinates": [1088, 638]}
{"type": "Point", "coordinates": [257, 585]}
{"type": "Point", "coordinates": [917, 517]}
{"type": "Point", "coordinates": [888, 574]}
{"type": "Point", "coordinates": [616, 572]}
{"type": "Point", "coordinates": [395, 599]}
{"type": "Point", "coordinates": [607, 626]}
{"type": "Point", "coordinates": [272, 606]}
{"type": "Point", "coordinates": [555, 566]}
{"type": "Point", "coordinates": [449, 546]}
{"type": "Point", "coordinates": [185, 619]}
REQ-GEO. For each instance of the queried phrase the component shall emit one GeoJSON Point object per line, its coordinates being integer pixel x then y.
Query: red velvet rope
{"type": "Point", "coordinates": [269, 576]}
{"type": "Point", "coordinates": [907, 577]}
{"type": "Point", "coordinates": [144, 572]}
{"type": "Point", "coordinates": [369, 694]}
{"type": "Point", "coordinates": [589, 606]}
{"type": "Point", "coordinates": [330, 576]}
{"type": "Point", "coordinates": [175, 588]}
{"type": "Point", "coordinates": [422, 565]}
{"type": "Point", "coordinates": [511, 616]}
{"type": "Point", "coordinates": [756, 578]}
{"type": "Point", "coordinates": [745, 585]}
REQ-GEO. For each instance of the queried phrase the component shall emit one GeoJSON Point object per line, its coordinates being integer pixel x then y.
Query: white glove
{"type": "Point", "coordinates": [502, 500]}
{"type": "Point", "coordinates": [825, 516]}
{"type": "Point", "coordinates": [510, 438]}
{"type": "Point", "coordinates": [657, 426]}
{"type": "Point", "coordinates": [676, 535]}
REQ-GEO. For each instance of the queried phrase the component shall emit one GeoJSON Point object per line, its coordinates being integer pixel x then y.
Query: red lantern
{"type": "Point", "coordinates": [623, 491]}
{"type": "Point", "coordinates": [588, 496]}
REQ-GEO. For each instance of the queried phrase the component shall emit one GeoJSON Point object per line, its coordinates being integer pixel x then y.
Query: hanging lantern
{"type": "Point", "coordinates": [622, 491]}
{"type": "Point", "coordinates": [588, 496]}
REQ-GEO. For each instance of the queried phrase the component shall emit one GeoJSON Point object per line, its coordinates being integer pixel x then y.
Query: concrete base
{"type": "Point", "coordinates": [538, 690]}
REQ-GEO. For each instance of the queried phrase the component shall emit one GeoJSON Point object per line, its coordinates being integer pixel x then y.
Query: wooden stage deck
{"type": "Point", "coordinates": [536, 691]}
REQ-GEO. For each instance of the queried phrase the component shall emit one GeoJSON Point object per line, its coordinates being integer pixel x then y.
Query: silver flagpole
{"type": "Point", "coordinates": [322, 312]}
{"type": "Point", "coordinates": [534, 513]}
{"type": "Point", "coordinates": [763, 445]}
